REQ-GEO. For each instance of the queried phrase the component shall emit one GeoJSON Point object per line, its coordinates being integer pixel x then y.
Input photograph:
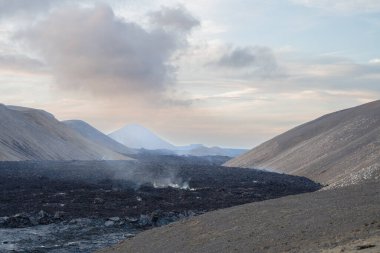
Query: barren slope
{"type": "Point", "coordinates": [29, 134]}
{"type": "Point", "coordinates": [324, 221]}
{"type": "Point", "coordinates": [337, 149]}
{"type": "Point", "coordinates": [98, 137]}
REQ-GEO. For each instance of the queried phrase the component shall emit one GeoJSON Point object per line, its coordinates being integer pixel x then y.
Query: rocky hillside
{"type": "Point", "coordinates": [30, 134]}
{"type": "Point", "coordinates": [337, 149]}
{"type": "Point", "coordinates": [89, 132]}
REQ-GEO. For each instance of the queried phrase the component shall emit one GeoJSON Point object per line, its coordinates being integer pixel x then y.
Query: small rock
{"type": "Point", "coordinates": [190, 213]}
{"type": "Point", "coordinates": [59, 215]}
{"type": "Point", "coordinates": [109, 223]}
{"type": "Point", "coordinates": [144, 221]}
{"type": "Point", "coordinates": [42, 214]}
{"type": "Point", "coordinates": [131, 219]}
{"type": "Point", "coordinates": [98, 201]}
{"type": "Point", "coordinates": [366, 246]}
{"type": "Point", "coordinates": [114, 219]}
{"type": "Point", "coordinates": [44, 218]}
{"type": "Point", "coordinates": [3, 220]}
{"type": "Point", "coordinates": [155, 216]}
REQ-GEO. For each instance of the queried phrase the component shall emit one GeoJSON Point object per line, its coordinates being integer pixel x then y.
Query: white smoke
{"type": "Point", "coordinates": [168, 182]}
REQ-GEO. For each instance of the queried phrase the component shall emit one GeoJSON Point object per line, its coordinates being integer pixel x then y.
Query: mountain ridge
{"type": "Point", "coordinates": [32, 134]}
{"type": "Point", "coordinates": [90, 132]}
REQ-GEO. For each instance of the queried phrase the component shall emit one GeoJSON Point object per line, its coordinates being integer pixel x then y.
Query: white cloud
{"type": "Point", "coordinates": [92, 50]}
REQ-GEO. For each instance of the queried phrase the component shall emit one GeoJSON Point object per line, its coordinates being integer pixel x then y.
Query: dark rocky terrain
{"type": "Point", "coordinates": [340, 220]}
{"type": "Point", "coordinates": [79, 206]}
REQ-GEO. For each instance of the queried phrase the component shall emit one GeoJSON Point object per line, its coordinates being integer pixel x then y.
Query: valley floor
{"type": "Point", "coordinates": [340, 220]}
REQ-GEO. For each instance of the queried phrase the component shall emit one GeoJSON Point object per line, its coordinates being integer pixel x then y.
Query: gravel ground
{"type": "Point", "coordinates": [340, 220]}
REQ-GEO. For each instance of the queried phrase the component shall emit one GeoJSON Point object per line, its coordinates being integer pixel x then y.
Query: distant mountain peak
{"type": "Point", "coordinates": [138, 136]}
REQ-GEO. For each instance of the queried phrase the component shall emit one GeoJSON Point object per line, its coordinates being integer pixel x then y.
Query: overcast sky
{"type": "Point", "coordinates": [218, 72]}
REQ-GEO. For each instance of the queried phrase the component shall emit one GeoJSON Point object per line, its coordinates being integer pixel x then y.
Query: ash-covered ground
{"type": "Point", "coordinates": [80, 206]}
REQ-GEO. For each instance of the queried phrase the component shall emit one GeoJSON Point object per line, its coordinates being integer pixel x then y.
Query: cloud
{"type": "Point", "coordinates": [20, 63]}
{"type": "Point", "coordinates": [342, 5]}
{"type": "Point", "coordinates": [237, 58]}
{"type": "Point", "coordinates": [92, 50]}
{"type": "Point", "coordinates": [27, 7]}
{"type": "Point", "coordinates": [248, 61]}
{"type": "Point", "coordinates": [176, 19]}
{"type": "Point", "coordinates": [327, 73]}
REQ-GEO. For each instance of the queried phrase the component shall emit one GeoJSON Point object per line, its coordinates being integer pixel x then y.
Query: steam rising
{"type": "Point", "coordinates": [151, 174]}
{"type": "Point", "coordinates": [168, 182]}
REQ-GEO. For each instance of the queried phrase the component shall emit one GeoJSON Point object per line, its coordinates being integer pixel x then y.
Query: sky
{"type": "Point", "coordinates": [217, 72]}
